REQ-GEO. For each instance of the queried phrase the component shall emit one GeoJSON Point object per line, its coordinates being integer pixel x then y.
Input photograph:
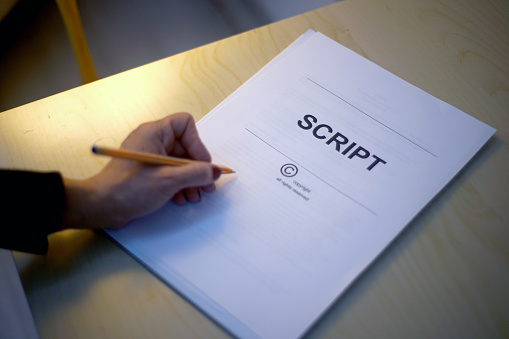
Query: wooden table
{"type": "Point", "coordinates": [447, 275]}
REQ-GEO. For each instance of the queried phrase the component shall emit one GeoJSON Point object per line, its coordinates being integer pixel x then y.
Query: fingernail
{"type": "Point", "coordinates": [216, 172]}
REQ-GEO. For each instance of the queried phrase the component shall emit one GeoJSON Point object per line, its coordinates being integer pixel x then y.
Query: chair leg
{"type": "Point", "coordinates": [71, 17]}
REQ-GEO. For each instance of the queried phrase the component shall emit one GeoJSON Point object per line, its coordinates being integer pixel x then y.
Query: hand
{"type": "Point", "coordinates": [125, 190]}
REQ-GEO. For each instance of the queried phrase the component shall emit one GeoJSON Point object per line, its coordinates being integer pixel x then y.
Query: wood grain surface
{"type": "Point", "coordinates": [445, 276]}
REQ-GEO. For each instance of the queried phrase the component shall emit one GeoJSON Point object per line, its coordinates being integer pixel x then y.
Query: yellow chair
{"type": "Point", "coordinates": [71, 17]}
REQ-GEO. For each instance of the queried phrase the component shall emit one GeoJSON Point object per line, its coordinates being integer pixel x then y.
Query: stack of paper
{"type": "Point", "coordinates": [334, 157]}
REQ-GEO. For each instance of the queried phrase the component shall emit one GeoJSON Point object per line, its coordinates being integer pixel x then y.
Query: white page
{"type": "Point", "coordinates": [265, 255]}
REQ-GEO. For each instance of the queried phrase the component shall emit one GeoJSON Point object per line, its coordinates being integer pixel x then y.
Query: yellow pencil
{"type": "Point", "coordinates": [147, 158]}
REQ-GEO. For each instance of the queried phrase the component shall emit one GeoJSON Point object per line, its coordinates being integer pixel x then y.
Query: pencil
{"type": "Point", "coordinates": [151, 159]}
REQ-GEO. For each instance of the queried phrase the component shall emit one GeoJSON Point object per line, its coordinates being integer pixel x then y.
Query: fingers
{"type": "Point", "coordinates": [181, 138]}
{"type": "Point", "coordinates": [181, 127]}
{"type": "Point", "coordinates": [174, 135]}
{"type": "Point", "coordinates": [190, 178]}
{"type": "Point", "coordinates": [196, 174]}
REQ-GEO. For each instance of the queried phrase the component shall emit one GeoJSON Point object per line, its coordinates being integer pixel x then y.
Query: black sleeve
{"type": "Point", "coordinates": [33, 207]}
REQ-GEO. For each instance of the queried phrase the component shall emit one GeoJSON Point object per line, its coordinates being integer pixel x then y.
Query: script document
{"type": "Point", "coordinates": [333, 156]}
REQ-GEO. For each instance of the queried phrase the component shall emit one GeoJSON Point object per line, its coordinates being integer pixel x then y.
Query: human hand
{"type": "Point", "coordinates": [124, 190]}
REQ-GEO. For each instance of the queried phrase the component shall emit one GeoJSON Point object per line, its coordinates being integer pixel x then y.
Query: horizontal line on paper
{"type": "Point", "coordinates": [371, 117]}
{"type": "Point", "coordinates": [313, 174]}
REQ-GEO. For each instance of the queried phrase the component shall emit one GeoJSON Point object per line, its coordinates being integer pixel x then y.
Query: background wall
{"type": "Point", "coordinates": [36, 59]}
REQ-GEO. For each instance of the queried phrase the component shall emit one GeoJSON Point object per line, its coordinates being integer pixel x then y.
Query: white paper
{"type": "Point", "coordinates": [266, 254]}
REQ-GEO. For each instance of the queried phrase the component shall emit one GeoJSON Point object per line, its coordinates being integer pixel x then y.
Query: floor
{"type": "Point", "coordinates": [36, 59]}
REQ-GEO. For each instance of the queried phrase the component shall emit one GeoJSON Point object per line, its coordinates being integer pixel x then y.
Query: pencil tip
{"type": "Point", "coordinates": [94, 149]}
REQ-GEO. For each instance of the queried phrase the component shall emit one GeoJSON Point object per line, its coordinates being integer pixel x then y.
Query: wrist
{"type": "Point", "coordinates": [84, 202]}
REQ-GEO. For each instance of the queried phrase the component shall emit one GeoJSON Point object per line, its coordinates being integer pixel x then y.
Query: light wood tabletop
{"type": "Point", "coordinates": [445, 276]}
